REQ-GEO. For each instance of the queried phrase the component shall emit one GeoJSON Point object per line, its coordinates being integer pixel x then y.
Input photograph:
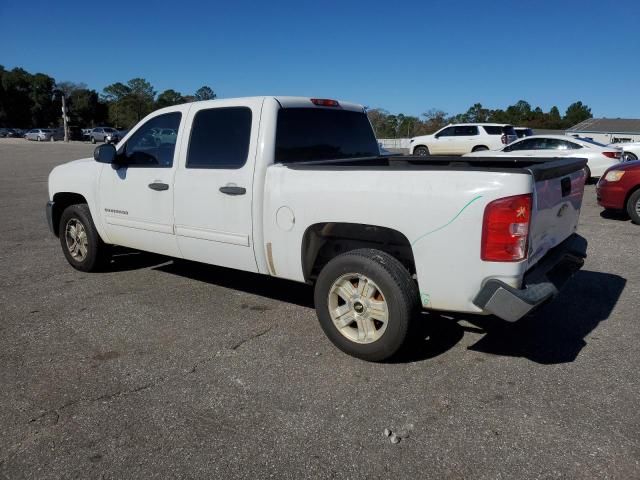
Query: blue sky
{"type": "Point", "coordinates": [405, 57]}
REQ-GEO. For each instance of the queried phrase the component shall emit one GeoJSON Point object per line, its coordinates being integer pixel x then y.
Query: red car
{"type": "Point", "coordinates": [619, 189]}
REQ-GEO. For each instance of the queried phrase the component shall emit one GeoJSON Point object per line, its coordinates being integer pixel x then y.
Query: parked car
{"type": "Point", "coordinates": [630, 150]}
{"type": "Point", "coordinates": [115, 136]}
{"type": "Point", "coordinates": [296, 188]}
{"type": "Point", "coordinates": [619, 189]}
{"type": "Point", "coordinates": [12, 133]}
{"type": "Point", "coordinates": [57, 134]}
{"type": "Point", "coordinates": [599, 157]}
{"type": "Point", "coordinates": [39, 134]}
{"type": "Point", "coordinates": [165, 135]}
{"type": "Point", "coordinates": [102, 134]}
{"type": "Point", "coordinates": [463, 138]}
{"type": "Point", "coordinates": [523, 132]}
{"type": "Point", "coordinates": [86, 133]}
{"type": "Point", "coordinates": [75, 133]}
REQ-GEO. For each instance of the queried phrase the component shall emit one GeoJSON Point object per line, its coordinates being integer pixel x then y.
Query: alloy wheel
{"type": "Point", "coordinates": [358, 308]}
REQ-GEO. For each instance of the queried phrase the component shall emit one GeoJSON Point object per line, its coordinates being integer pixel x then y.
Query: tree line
{"type": "Point", "coordinates": [27, 101]}
{"type": "Point", "coordinates": [387, 125]}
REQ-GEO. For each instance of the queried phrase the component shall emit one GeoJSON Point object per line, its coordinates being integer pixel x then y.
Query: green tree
{"type": "Point", "coordinates": [434, 120]}
{"type": "Point", "coordinates": [129, 103]}
{"type": "Point", "coordinates": [86, 109]}
{"type": "Point", "coordinates": [140, 98]}
{"type": "Point", "coordinates": [476, 113]}
{"type": "Point", "coordinates": [576, 113]}
{"type": "Point", "coordinates": [554, 120]}
{"type": "Point", "coordinates": [168, 98]}
{"type": "Point", "coordinates": [205, 93]}
{"type": "Point", "coordinates": [17, 102]}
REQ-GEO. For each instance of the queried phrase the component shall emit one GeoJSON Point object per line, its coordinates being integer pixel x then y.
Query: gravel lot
{"type": "Point", "coordinates": [182, 370]}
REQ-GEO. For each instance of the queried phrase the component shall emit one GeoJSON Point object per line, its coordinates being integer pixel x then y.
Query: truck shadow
{"type": "Point", "coordinates": [256, 284]}
{"type": "Point", "coordinates": [554, 334]}
{"type": "Point", "coordinates": [124, 259]}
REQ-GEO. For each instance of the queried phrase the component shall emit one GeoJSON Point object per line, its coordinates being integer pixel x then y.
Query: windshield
{"type": "Point", "coordinates": [305, 134]}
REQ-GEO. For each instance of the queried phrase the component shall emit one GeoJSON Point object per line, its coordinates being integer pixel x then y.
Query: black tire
{"type": "Point", "coordinates": [395, 284]}
{"type": "Point", "coordinates": [93, 140]}
{"type": "Point", "coordinates": [97, 254]}
{"type": "Point", "coordinates": [629, 157]}
{"type": "Point", "coordinates": [633, 207]}
{"type": "Point", "coordinates": [480, 148]}
{"type": "Point", "coordinates": [421, 151]}
{"type": "Point", "coordinates": [587, 172]}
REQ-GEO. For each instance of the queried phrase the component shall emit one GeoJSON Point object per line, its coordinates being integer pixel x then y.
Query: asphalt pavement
{"type": "Point", "coordinates": [162, 369]}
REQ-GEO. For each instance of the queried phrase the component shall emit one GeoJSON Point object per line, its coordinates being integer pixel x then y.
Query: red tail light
{"type": "Point", "coordinates": [505, 229]}
{"type": "Point", "coordinates": [617, 155]}
{"type": "Point", "coordinates": [325, 102]}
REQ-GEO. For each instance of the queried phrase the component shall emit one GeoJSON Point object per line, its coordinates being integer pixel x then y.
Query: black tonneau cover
{"type": "Point", "coordinates": [541, 168]}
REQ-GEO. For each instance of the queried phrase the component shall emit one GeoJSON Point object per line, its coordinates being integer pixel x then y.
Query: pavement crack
{"type": "Point", "coordinates": [55, 412]}
{"type": "Point", "coordinates": [251, 337]}
{"type": "Point", "coordinates": [122, 393]}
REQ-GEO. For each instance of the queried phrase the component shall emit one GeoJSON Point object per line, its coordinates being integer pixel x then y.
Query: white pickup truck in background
{"type": "Point", "coordinates": [296, 188]}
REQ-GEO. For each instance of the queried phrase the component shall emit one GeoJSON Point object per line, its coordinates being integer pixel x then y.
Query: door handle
{"type": "Point", "coordinates": [231, 190]}
{"type": "Point", "coordinates": [158, 186]}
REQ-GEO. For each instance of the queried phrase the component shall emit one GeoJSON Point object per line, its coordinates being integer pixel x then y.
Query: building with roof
{"type": "Point", "coordinates": [608, 130]}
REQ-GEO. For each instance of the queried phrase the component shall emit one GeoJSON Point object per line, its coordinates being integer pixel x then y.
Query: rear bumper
{"type": "Point", "coordinates": [540, 284]}
{"type": "Point", "coordinates": [50, 216]}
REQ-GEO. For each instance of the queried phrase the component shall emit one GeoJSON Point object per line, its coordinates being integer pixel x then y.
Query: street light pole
{"type": "Point", "coordinates": [65, 118]}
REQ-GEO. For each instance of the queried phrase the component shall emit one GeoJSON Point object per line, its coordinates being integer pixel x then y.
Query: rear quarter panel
{"type": "Point", "coordinates": [439, 212]}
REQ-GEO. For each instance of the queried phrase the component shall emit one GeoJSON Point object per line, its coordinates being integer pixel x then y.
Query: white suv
{"type": "Point", "coordinates": [463, 138]}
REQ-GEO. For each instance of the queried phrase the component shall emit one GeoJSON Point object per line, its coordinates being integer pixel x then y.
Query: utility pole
{"type": "Point", "coordinates": [65, 118]}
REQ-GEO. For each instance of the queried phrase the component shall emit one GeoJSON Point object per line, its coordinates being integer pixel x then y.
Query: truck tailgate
{"type": "Point", "coordinates": [557, 199]}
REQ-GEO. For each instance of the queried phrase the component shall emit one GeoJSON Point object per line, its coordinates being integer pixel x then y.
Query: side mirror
{"type": "Point", "coordinates": [105, 153]}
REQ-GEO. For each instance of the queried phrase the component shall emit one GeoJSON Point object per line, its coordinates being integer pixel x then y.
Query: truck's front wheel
{"type": "Point", "coordinates": [365, 300]}
{"type": "Point", "coordinates": [81, 243]}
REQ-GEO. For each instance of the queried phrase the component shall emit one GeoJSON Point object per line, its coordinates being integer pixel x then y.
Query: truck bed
{"type": "Point", "coordinates": [541, 168]}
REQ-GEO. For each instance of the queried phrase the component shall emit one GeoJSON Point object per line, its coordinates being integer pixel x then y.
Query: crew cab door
{"type": "Point", "coordinates": [214, 183]}
{"type": "Point", "coordinates": [136, 194]}
{"type": "Point", "coordinates": [442, 141]}
{"type": "Point", "coordinates": [464, 139]}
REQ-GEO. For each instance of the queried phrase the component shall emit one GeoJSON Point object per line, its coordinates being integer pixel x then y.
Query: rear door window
{"type": "Point", "coordinates": [465, 130]}
{"type": "Point", "coordinates": [219, 138]}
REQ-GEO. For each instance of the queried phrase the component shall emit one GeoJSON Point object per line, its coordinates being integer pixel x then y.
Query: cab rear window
{"type": "Point", "coordinates": [306, 134]}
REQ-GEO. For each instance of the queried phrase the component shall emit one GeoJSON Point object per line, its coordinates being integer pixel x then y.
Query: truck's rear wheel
{"type": "Point", "coordinates": [421, 151]}
{"type": "Point", "coordinates": [365, 300]}
{"type": "Point", "coordinates": [81, 243]}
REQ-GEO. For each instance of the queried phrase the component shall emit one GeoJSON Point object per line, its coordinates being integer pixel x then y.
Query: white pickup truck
{"type": "Point", "coordinates": [296, 188]}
